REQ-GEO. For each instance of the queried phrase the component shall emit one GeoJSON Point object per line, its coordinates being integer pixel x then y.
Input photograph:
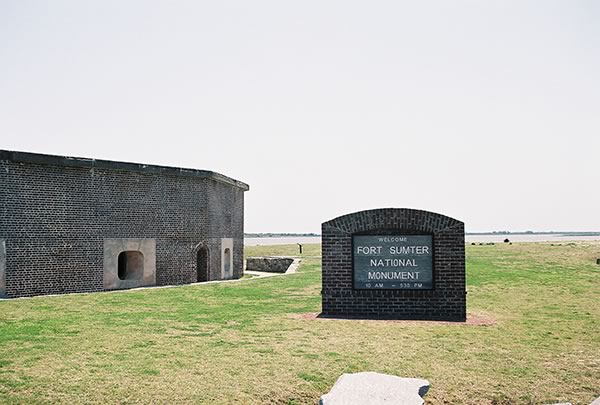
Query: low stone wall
{"type": "Point", "coordinates": [269, 264]}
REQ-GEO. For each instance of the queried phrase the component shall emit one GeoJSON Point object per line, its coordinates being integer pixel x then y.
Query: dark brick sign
{"type": "Point", "coordinates": [394, 263]}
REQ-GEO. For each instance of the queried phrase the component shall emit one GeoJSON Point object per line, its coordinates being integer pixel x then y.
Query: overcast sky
{"type": "Point", "coordinates": [486, 111]}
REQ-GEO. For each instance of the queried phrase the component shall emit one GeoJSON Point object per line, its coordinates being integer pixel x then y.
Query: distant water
{"type": "Point", "coordinates": [292, 240]}
{"type": "Point", "coordinates": [554, 237]}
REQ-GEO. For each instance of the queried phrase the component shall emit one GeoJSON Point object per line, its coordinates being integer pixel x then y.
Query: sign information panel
{"type": "Point", "coordinates": [393, 262]}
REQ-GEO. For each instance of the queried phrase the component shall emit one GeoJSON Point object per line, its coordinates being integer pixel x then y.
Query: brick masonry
{"type": "Point", "coordinates": [269, 264]}
{"type": "Point", "coordinates": [446, 301]}
{"type": "Point", "coordinates": [57, 211]}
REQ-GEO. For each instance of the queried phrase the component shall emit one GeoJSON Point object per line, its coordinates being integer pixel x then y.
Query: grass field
{"type": "Point", "coordinates": [245, 342]}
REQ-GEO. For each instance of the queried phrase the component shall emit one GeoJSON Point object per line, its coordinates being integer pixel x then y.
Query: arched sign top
{"type": "Point", "coordinates": [393, 218]}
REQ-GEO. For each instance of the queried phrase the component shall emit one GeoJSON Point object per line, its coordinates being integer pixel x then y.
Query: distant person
{"type": "Point", "coordinates": [506, 240]}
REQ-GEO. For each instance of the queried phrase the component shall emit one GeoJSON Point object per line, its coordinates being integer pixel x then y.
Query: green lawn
{"type": "Point", "coordinates": [245, 342]}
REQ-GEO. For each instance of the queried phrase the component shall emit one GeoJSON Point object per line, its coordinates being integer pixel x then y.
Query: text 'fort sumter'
{"type": "Point", "coordinates": [393, 262]}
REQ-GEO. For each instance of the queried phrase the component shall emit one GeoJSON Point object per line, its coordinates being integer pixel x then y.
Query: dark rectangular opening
{"type": "Point", "coordinates": [131, 265]}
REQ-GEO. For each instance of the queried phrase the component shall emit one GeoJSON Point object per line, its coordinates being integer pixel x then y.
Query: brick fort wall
{"type": "Point", "coordinates": [56, 213]}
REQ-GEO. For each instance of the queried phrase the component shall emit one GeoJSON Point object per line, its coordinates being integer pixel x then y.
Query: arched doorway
{"type": "Point", "coordinates": [227, 263]}
{"type": "Point", "coordinates": [202, 264]}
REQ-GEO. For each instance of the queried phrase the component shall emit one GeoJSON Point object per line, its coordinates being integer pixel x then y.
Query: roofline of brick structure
{"type": "Point", "coordinates": [69, 161]}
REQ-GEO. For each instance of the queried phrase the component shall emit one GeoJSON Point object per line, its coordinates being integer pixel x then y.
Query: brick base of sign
{"type": "Point", "coordinates": [445, 301]}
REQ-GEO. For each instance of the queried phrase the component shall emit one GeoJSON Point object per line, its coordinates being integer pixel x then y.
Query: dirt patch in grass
{"type": "Point", "coordinates": [472, 320]}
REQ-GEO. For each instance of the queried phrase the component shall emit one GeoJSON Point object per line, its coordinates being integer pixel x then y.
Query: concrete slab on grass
{"type": "Point", "coordinates": [371, 388]}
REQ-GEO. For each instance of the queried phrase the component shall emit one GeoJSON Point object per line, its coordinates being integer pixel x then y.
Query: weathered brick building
{"type": "Point", "coordinates": [81, 225]}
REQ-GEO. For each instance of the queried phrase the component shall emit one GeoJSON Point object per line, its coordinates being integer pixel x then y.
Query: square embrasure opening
{"type": "Point", "coordinates": [130, 265]}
